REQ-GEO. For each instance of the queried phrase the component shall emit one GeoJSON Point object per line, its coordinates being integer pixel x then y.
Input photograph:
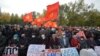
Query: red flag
{"type": "Point", "coordinates": [47, 24]}
{"type": "Point", "coordinates": [51, 24]}
{"type": "Point", "coordinates": [38, 22]}
{"type": "Point", "coordinates": [33, 23]}
{"type": "Point", "coordinates": [52, 11]}
{"type": "Point", "coordinates": [54, 24]}
{"type": "Point", "coordinates": [28, 17]}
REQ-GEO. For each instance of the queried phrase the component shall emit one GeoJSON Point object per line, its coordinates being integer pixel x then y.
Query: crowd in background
{"type": "Point", "coordinates": [53, 38]}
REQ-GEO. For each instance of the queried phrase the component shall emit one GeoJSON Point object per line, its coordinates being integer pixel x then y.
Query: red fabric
{"type": "Point", "coordinates": [74, 42]}
{"type": "Point", "coordinates": [51, 24]}
{"type": "Point", "coordinates": [33, 23]}
{"type": "Point", "coordinates": [38, 22]}
{"type": "Point", "coordinates": [54, 25]}
{"type": "Point", "coordinates": [52, 11]}
{"type": "Point", "coordinates": [48, 24]}
{"type": "Point", "coordinates": [28, 17]}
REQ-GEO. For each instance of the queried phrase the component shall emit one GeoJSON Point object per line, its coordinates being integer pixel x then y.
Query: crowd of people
{"type": "Point", "coordinates": [53, 38]}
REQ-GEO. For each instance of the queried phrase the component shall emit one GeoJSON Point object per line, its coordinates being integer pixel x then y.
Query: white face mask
{"type": "Point", "coordinates": [64, 36]}
{"type": "Point", "coordinates": [63, 33]}
{"type": "Point", "coordinates": [33, 36]}
{"type": "Point", "coordinates": [42, 29]}
{"type": "Point", "coordinates": [53, 29]}
{"type": "Point", "coordinates": [43, 36]}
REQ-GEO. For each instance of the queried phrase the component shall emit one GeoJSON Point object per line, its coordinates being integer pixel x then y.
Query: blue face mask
{"type": "Point", "coordinates": [15, 37]}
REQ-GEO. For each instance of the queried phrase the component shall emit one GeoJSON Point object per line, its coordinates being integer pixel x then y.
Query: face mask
{"type": "Point", "coordinates": [63, 33]}
{"type": "Point", "coordinates": [82, 39]}
{"type": "Point", "coordinates": [64, 36]}
{"type": "Point", "coordinates": [99, 39]}
{"type": "Point", "coordinates": [42, 29]}
{"type": "Point", "coordinates": [43, 36]}
{"type": "Point", "coordinates": [15, 37]}
{"type": "Point", "coordinates": [33, 36]}
{"type": "Point", "coordinates": [23, 35]}
{"type": "Point", "coordinates": [53, 29]}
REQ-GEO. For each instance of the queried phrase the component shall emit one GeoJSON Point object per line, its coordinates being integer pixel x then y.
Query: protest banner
{"type": "Point", "coordinates": [52, 52]}
{"type": "Point", "coordinates": [87, 52]}
{"type": "Point", "coordinates": [83, 52]}
{"type": "Point", "coordinates": [11, 51]}
{"type": "Point", "coordinates": [97, 50]}
{"type": "Point", "coordinates": [36, 54]}
{"type": "Point", "coordinates": [69, 52]}
{"type": "Point", "coordinates": [35, 50]}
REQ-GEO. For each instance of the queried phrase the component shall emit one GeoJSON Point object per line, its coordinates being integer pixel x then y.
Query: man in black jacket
{"type": "Point", "coordinates": [23, 45]}
{"type": "Point", "coordinates": [2, 43]}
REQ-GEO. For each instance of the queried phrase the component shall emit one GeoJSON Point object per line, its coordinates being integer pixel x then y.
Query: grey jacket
{"type": "Point", "coordinates": [64, 42]}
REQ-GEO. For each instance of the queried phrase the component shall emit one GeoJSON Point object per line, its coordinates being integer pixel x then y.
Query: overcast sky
{"type": "Point", "coordinates": [25, 6]}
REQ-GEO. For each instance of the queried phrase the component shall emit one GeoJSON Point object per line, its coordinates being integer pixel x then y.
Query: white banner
{"type": "Point", "coordinates": [52, 52]}
{"type": "Point", "coordinates": [87, 52]}
{"type": "Point", "coordinates": [11, 51]}
{"type": "Point", "coordinates": [97, 50]}
{"type": "Point", "coordinates": [35, 50]}
{"type": "Point", "coordinates": [69, 52]}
